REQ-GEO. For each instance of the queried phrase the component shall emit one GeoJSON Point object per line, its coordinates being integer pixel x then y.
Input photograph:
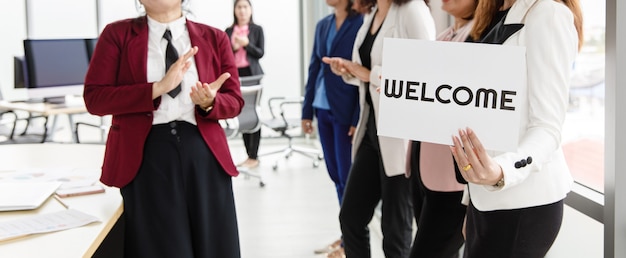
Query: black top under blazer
{"type": "Point", "coordinates": [255, 48]}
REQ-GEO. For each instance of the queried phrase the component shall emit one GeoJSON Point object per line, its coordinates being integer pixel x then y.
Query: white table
{"type": "Point", "coordinates": [47, 110]}
{"type": "Point", "coordinates": [76, 242]}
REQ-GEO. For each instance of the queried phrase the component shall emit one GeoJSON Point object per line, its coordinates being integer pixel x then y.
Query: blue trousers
{"type": "Point", "coordinates": [336, 144]}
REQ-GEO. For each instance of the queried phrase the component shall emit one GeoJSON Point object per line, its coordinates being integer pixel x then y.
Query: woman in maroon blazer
{"type": "Point", "coordinates": [166, 150]}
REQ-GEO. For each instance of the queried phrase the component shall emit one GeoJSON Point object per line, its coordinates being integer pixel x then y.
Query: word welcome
{"type": "Point", "coordinates": [461, 95]}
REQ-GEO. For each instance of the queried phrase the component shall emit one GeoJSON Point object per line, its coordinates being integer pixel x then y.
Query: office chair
{"type": "Point", "coordinates": [102, 127]}
{"type": "Point", "coordinates": [4, 121]}
{"type": "Point", "coordinates": [248, 121]}
{"type": "Point", "coordinates": [281, 124]}
{"type": "Point", "coordinates": [12, 122]}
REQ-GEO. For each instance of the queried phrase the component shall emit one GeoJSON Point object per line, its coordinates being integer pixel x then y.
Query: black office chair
{"type": "Point", "coordinates": [281, 123]}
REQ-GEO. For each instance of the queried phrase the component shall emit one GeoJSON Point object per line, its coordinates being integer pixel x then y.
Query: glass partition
{"type": "Point", "coordinates": [583, 133]}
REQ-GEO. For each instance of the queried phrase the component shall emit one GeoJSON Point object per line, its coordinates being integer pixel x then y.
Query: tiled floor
{"type": "Point", "coordinates": [296, 211]}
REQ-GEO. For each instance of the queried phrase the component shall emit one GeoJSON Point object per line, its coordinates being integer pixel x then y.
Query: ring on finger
{"type": "Point", "coordinates": [467, 167]}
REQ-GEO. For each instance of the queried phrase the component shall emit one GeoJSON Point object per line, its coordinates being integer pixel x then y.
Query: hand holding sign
{"type": "Point", "coordinates": [475, 164]}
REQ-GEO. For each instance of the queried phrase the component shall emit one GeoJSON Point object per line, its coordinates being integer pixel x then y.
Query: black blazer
{"type": "Point", "coordinates": [256, 46]}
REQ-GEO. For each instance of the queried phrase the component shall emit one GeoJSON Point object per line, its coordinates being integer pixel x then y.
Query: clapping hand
{"type": "Point", "coordinates": [174, 75]}
{"type": "Point", "coordinates": [242, 41]}
{"type": "Point", "coordinates": [203, 94]}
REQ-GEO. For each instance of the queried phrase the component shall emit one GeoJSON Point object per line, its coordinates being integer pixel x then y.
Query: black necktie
{"type": "Point", "coordinates": [171, 55]}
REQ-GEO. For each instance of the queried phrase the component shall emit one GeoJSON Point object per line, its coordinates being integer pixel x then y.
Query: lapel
{"type": "Point", "coordinates": [323, 36]}
{"type": "Point", "coordinates": [138, 49]}
{"type": "Point", "coordinates": [203, 57]}
{"type": "Point", "coordinates": [512, 22]}
{"type": "Point", "coordinates": [390, 21]}
{"type": "Point", "coordinates": [360, 36]}
{"type": "Point", "coordinates": [342, 31]}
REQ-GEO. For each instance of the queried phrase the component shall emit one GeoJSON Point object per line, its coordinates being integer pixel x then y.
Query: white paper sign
{"type": "Point", "coordinates": [430, 89]}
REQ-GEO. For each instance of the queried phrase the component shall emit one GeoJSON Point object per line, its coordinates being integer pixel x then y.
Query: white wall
{"type": "Point", "coordinates": [80, 19]}
{"type": "Point", "coordinates": [13, 20]}
{"type": "Point", "coordinates": [284, 64]}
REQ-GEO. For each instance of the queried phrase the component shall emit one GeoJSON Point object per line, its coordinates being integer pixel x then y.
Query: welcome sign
{"type": "Point", "coordinates": [430, 89]}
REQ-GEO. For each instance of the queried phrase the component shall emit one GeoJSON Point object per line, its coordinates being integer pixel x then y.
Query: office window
{"type": "Point", "coordinates": [583, 133]}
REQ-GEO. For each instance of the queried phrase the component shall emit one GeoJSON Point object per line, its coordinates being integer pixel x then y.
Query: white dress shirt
{"type": "Point", "coordinates": [181, 107]}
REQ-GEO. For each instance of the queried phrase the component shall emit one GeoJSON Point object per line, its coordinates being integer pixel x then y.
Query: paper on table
{"type": "Point", "coordinates": [70, 177]}
{"type": "Point", "coordinates": [43, 223]}
{"type": "Point", "coordinates": [25, 195]}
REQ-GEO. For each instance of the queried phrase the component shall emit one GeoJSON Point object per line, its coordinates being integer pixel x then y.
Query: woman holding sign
{"type": "Point", "coordinates": [379, 163]}
{"type": "Point", "coordinates": [516, 198]}
{"type": "Point", "coordinates": [436, 192]}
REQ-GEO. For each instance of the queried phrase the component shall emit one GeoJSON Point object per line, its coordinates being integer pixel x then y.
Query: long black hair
{"type": "Point", "coordinates": [235, 21]}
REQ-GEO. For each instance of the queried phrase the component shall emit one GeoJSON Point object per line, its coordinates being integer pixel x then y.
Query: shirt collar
{"type": "Point", "coordinates": [177, 27]}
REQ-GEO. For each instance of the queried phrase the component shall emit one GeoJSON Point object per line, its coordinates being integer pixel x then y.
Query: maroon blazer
{"type": "Point", "coordinates": [116, 84]}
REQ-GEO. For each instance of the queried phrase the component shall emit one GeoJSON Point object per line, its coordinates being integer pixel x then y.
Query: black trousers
{"type": "Point", "coordinates": [439, 216]}
{"type": "Point", "coordinates": [181, 202]}
{"type": "Point", "coordinates": [252, 141]}
{"type": "Point", "coordinates": [367, 185]}
{"type": "Point", "coordinates": [518, 233]}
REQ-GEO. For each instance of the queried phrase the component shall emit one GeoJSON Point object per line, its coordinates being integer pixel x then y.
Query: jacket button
{"type": "Point", "coordinates": [523, 162]}
{"type": "Point", "coordinates": [529, 160]}
{"type": "Point", "coordinates": [518, 164]}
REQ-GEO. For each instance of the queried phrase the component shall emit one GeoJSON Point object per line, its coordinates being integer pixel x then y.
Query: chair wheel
{"type": "Point", "coordinates": [275, 166]}
{"type": "Point", "coordinates": [316, 164]}
{"type": "Point", "coordinates": [320, 157]}
{"type": "Point", "coordinates": [261, 184]}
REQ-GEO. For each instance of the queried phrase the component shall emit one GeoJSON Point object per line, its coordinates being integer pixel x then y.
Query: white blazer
{"type": "Point", "coordinates": [411, 20]}
{"type": "Point", "coordinates": [551, 43]}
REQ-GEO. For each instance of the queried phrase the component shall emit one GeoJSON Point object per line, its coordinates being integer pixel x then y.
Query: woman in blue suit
{"type": "Point", "coordinates": [329, 98]}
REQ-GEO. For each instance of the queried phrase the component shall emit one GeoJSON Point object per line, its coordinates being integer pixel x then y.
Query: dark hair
{"type": "Point", "coordinates": [371, 3]}
{"type": "Point", "coordinates": [235, 21]}
{"type": "Point", "coordinates": [349, 9]}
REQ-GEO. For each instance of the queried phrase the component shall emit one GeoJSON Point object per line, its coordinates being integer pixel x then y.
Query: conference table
{"type": "Point", "coordinates": [75, 242]}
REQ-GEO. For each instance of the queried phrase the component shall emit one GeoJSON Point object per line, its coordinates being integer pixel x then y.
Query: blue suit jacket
{"type": "Point", "coordinates": [342, 98]}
